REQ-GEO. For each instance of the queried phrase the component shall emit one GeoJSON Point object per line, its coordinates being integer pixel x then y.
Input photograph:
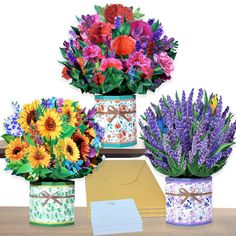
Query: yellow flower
{"type": "Point", "coordinates": [16, 150]}
{"type": "Point", "coordinates": [49, 125]}
{"type": "Point", "coordinates": [28, 115]}
{"type": "Point", "coordinates": [70, 150]}
{"type": "Point", "coordinates": [68, 102]}
{"type": "Point", "coordinates": [58, 149]}
{"type": "Point", "coordinates": [38, 156]}
{"type": "Point", "coordinates": [90, 132]}
{"type": "Point", "coordinates": [71, 114]}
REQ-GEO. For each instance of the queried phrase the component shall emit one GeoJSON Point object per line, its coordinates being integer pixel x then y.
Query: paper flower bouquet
{"type": "Point", "coordinates": [53, 139]}
{"type": "Point", "coordinates": [188, 141]}
{"type": "Point", "coordinates": [116, 52]}
{"type": "Point", "coordinates": [50, 142]}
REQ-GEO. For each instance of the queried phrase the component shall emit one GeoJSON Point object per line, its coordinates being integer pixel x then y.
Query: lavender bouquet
{"type": "Point", "coordinates": [186, 138]}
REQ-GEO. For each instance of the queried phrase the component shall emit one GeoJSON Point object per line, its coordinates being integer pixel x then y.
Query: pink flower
{"type": "Point", "coordinates": [141, 63]}
{"type": "Point", "coordinates": [166, 62]}
{"type": "Point", "coordinates": [92, 52]}
{"type": "Point", "coordinates": [140, 29]}
{"type": "Point", "coordinates": [110, 62]}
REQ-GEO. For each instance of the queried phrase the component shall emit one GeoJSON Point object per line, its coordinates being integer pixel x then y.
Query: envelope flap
{"type": "Point", "coordinates": [126, 172]}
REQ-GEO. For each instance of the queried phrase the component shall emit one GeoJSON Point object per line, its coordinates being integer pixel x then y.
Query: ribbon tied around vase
{"type": "Point", "coordinates": [116, 112]}
{"type": "Point", "coordinates": [195, 194]}
{"type": "Point", "coordinates": [47, 197]}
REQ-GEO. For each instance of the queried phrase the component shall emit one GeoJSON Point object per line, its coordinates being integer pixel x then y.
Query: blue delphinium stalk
{"type": "Point", "coordinates": [11, 124]}
{"type": "Point", "coordinates": [186, 137]}
{"type": "Point", "coordinates": [49, 103]}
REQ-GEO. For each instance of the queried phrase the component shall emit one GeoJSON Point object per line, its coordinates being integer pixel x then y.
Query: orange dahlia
{"type": "Point", "coordinates": [99, 32]}
{"type": "Point", "coordinates": [114, 10]}
{"type": "Point", "coordinates": [82, 142]}
{"type": "Point", "coordinates": [123, 45]}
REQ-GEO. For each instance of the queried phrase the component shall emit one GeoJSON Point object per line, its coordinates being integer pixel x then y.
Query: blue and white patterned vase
{"type": "Point", "coordinates": [52, 203]}
{"type": "Point", "coordinates": [117, 115]}
{"type": "Point", "coordinates": [188, 201]}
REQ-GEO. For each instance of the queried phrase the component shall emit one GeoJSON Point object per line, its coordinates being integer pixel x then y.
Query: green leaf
{"type": "Point", "coordinates": [158, 71]}
{"type": "Point", "coordinates": [26, 168]}
{"type": "Point", "coordinates": [82, 43]}
{"type": "Point", "coordinates": [64, 172]}
{"type": "Point", "coordinates": [8, 138]}
{"type": "Point", "coordinates": [82, 128]}
{"type": "Point", "coordinates": [222, 147]}
{"type": "Point", "coordinates": [67, 131]}
{"type": "Point", "coordinates": [125, 29]}
{"type": "Point", "coordinates": [155, 26]}
{"type": "Point", "coordinates": [137, 14]}
{"type": "Point", "coordinates": [63, 52]}
{"type": "Point", "coordinates": [29, 140]}
{"type": "Point", "coordinates": [76, 30]}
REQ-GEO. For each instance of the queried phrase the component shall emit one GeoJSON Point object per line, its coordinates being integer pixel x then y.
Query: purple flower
{"type": "Point", "coordinates": [158, 33]}
{"type": "Point", "coordinates": [151, 21]}
{"type": "Point", "coordinates": [189, 132]}
{"type": "Point", "coordinates": [71, 58]}
{"type": "Point", "coordinates": [117, 22]}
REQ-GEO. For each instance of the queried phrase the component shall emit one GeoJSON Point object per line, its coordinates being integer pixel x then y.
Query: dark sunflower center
{"type": "Point", "coordinates": [38, 156]}
{"type": "Point", "coordinates": [69, 149]}
{"type": "Point", "coordinates": [50, 124]}
{"type": "Point", "coordinates": [16, 150]}
{"type": "Point", "coordinates": [31, 117]}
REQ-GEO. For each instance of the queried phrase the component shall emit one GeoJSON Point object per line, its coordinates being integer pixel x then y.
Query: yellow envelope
{"type": "Point", "coordinates": [122, 179]}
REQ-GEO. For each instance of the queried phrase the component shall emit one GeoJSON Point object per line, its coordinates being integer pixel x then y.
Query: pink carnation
{"type": "Point", "coordinates": [110, 62]}
{"type": "Point", "coordinates": [140, 62]}
{"type": "Point", "coordinates": [92, 52]}
{"type": "Point", "coordinates": [140, 29]}
{"type": "Point", "coordinates": [166, 62]}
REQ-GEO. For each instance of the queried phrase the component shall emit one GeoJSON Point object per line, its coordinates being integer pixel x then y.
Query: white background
{"type": "Point", "coordinates": [32, 32]}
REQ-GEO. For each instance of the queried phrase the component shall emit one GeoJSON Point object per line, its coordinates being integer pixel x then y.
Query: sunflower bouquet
{"type": "Point", "coordinates": [116, 52]}
{"type": "Point", "coordinates": [52, 139]}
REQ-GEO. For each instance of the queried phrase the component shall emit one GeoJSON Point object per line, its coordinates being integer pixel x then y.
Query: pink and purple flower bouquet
{"type": "Point", "coordinates": [116, 52]}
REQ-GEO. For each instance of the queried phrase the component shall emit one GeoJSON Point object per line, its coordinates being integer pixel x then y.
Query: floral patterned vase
{"type": "Point", "coordinates": [52, 203]}
{"type": "Point", "coordinates": [188, 201]}
{"type": "Point", "coordinates": [117, 114]}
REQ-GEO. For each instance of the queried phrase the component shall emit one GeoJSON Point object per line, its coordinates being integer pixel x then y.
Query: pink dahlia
{"type": "Point", "coordinates": [110, 62]}
{"type": "Point", "coordinates": [166, 62]}
{"type": "Point", "coordinates": [140, 62]}
{"type": "Point", "coordinates": [92, 52]}
{"type": "Point", "coordinates": [140, 29]}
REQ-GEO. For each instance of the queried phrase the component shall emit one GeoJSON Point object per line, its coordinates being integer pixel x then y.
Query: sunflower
{"type": "Point", "coordinates": [49, 125]}
{"type": "Point", "coordinates": [38, 156]}
{"type": "Point", "coordinates": [71, 114]}
{"type": "Point", "coordinates": [16, 150]}
{"type": "Point", "coordinates": [70, 150]}
{"type": "Point", "coordinates": [28, 115]}
{"type": "Point", "coordinates": [82, 143]}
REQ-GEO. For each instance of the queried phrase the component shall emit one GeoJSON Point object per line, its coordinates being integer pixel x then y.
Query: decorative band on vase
{"type": "Point", "coordinates": [117, 115]}
{"type": "Point", "coordinates": [121, 97]}
{"type": "Point", "coordinates": [52, 203]}
{"type": "Point", "coordinates": [188, 201]}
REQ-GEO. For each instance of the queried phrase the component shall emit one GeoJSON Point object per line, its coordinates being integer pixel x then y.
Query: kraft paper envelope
{"type": "Point", "coordinates": [124, 179]}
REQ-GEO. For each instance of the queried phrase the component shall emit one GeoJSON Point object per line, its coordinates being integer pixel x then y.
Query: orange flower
{"type": "Point", "coordinates": [114, 10]}
{"type": "Point", "coordinates": [65, 73]}
{"type": "Point", "coordinates": [123, 45]}
{"type": "Point", "coordinates": [99, 32]}
{"type": "Point", "coordinates": [80, 61]}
